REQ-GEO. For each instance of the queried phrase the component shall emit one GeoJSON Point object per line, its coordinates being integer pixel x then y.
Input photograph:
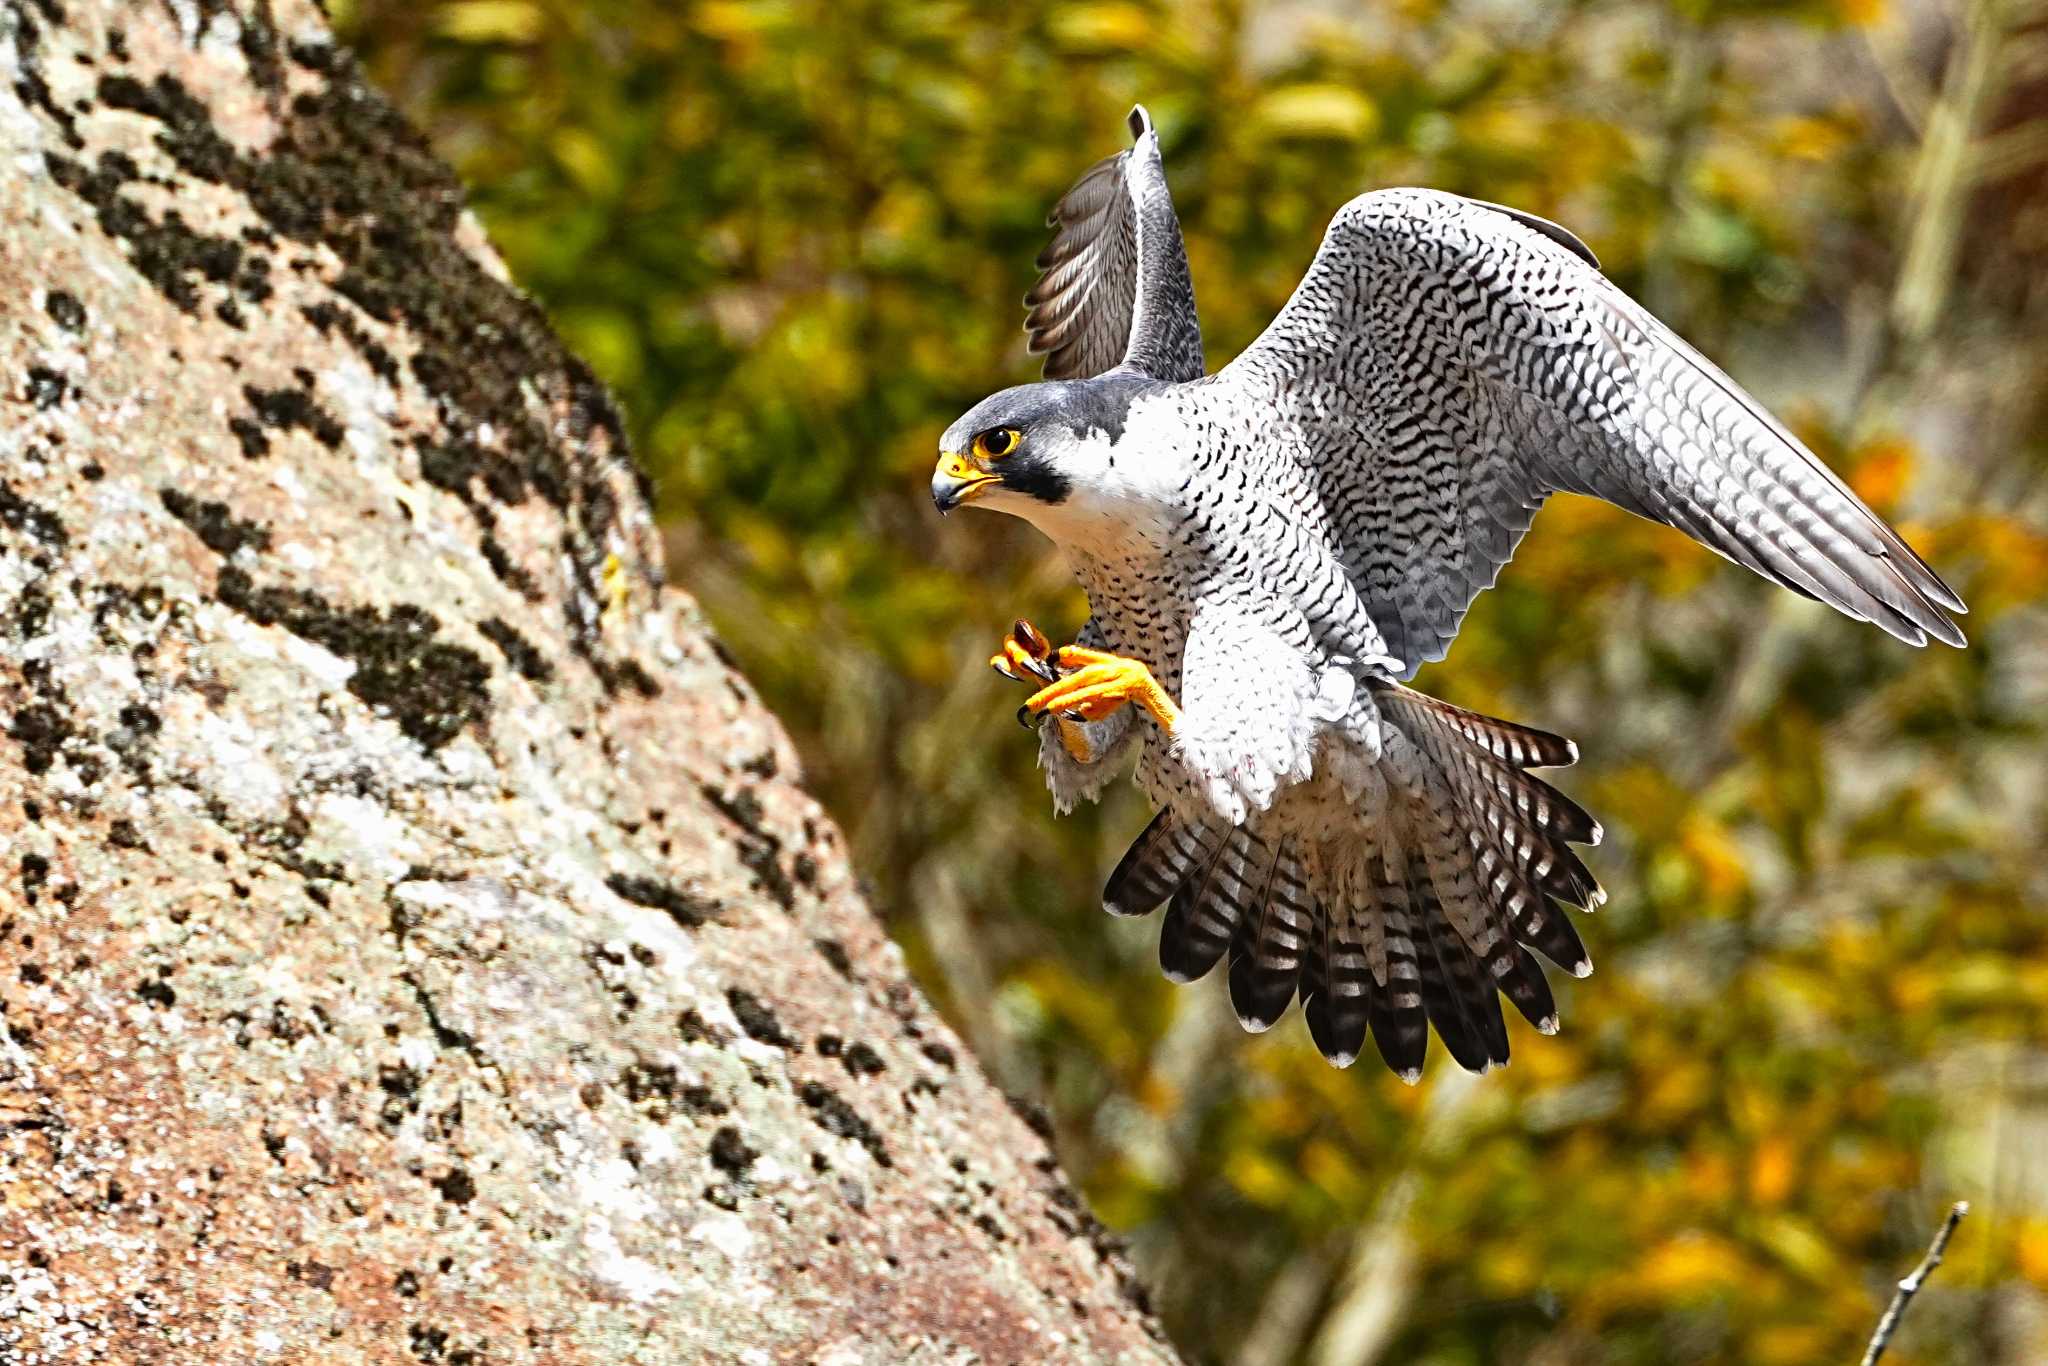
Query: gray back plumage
{"type": "Point", "coordinates": [1113, 288]}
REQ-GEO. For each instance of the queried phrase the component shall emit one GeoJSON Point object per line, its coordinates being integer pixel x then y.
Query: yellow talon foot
{"type": "Point", "coordinates": [1080, 657]}
{"type": "Point", "coordinates": [1081, 684]}
{"type": "Point", "coordinates": [1100, 684]}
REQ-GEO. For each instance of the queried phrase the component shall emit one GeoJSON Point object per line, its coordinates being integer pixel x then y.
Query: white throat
{"type": "Point", "coordinates": [1126, 498]}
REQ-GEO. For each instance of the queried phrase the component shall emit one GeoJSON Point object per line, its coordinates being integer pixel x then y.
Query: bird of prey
{"type": "Point", "coordinates": [1270, 550]}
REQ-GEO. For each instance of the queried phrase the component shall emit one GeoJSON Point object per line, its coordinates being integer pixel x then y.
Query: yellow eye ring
{"type": "Point", "coordinates": [997, 442]}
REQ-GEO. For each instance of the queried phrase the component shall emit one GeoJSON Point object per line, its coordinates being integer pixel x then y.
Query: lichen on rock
{"type": "Point", "coordinates": [413, 941]}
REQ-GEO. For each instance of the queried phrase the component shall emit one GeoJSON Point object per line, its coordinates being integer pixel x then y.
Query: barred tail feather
{"type": "Point", "coordinates": [1521, 746]}
{"type": "Point", "coordinates": [1421, 918]}
{"type": "Point", "coordinates": [1208, 911]}
{"type": "Point", "coordinates": [1459, 1000]}
{"type": "Point", "coordinates": [1525, 985]}
{"type": "Point", "coordinates": [1337, 988]}
{"type": "Point", "coordinates": [1179, 862]}
{"type": "Point", "coordinates": [1272, 943]}
{"type": "Point", "coordinates": [1400, 1023]}
{"type": "Point", "coordinates": [1155, 866]}
{"type": "Point", "coordinates": [1497, 864]}
{"type": "Point", "coordinates": [1547, 928]}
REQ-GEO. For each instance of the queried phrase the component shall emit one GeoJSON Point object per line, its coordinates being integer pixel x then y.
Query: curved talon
{"type": "Point", "coordinates": [1025, 651]}
{"type": "Point", "coordinates": [1029, 719]}
{"type": "Point", "coordinates": [1014, 663]}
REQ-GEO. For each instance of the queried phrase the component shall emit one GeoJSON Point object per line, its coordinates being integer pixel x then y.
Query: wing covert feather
{"type": "Point", "coordinates": [1447, 366]}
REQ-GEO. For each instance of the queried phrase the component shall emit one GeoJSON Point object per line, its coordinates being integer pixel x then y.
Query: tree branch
{"type": "Point", "coordinates": [1910, 1287]}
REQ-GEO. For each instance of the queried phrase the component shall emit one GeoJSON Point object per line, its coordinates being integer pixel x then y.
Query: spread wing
{"type": "Point", "coordinates": [1113, 287]}
{"type": "Point", "coordinates": [1445, 366]}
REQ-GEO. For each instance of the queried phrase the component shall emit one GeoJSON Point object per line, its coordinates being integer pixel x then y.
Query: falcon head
{"type": "Point", "coordinates": [1036, 447]}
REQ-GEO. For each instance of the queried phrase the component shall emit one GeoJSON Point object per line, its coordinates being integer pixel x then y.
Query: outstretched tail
{"type": "Point", "coordinates": [1456, 871]}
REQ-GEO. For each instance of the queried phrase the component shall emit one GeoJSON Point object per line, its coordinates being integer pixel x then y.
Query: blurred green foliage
{"type": "Point", "coordinates": [793, 233]}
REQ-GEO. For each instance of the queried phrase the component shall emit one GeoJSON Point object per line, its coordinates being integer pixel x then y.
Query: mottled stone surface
{"type": "Point", "coordinates": [414, 944]}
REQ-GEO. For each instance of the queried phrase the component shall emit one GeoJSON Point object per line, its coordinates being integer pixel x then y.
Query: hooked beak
{"type": "Point", "coordinates": [959, 480]}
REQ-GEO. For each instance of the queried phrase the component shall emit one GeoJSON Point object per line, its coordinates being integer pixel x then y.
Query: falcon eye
{"type": "Point", "coordinates": [997, 442]}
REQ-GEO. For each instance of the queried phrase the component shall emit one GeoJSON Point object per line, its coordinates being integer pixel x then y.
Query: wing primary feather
{"type": "Point", "coordinates": [1113, 290]}
{"type": "Point", "coordinates": [1439, 372]}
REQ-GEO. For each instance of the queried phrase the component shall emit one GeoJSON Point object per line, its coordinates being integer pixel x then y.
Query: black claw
{"type": "Point", "coordinates": [1024, 718]}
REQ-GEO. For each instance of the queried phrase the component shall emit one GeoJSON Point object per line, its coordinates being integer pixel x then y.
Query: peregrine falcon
{"type": "Point", "coordinates": [1269, 551]}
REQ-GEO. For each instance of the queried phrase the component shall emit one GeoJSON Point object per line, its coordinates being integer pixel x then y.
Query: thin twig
{"type": "Point", "coordinates": [1942, 181]}
{"type": "Point", "coordinates": [1910, 1287]}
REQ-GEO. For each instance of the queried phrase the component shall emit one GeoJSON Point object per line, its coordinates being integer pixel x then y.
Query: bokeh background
{"type": "Point", "coordinates": [792, 234]}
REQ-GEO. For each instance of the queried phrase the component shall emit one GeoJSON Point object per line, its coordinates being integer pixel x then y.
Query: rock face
{"type": "Point", "coordinates": [413, 942]}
